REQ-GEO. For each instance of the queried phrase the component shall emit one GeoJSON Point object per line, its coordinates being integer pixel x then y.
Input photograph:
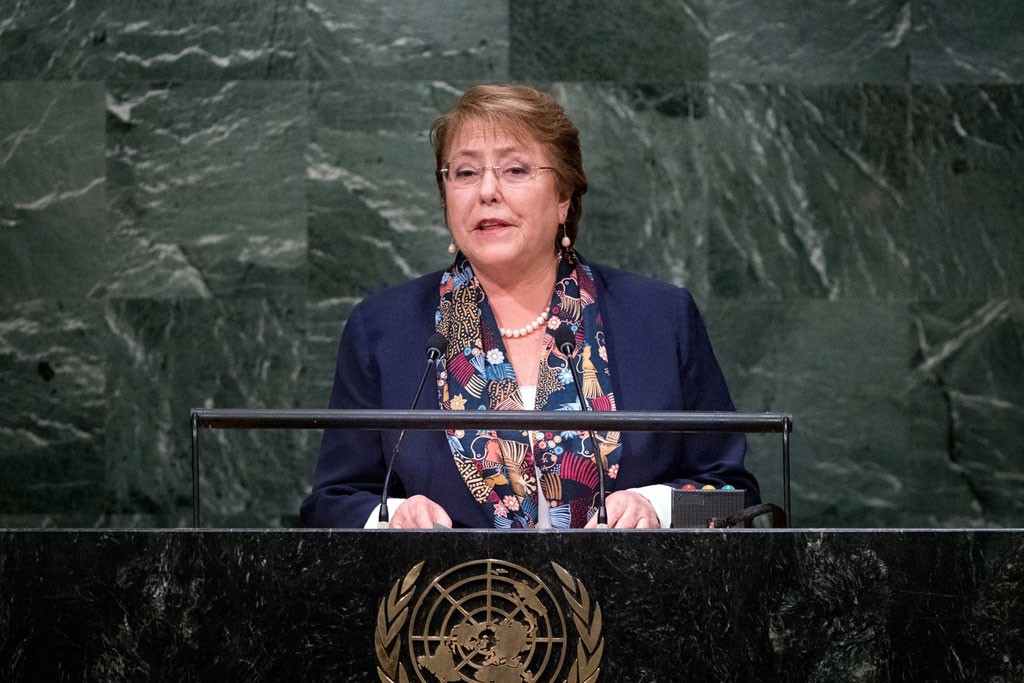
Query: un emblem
{"type": "Point", "coordinates": [487, 621]}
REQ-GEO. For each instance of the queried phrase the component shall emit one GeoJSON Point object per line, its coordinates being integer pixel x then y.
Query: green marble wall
{"type": "Point", "coordinates": [193, 195]}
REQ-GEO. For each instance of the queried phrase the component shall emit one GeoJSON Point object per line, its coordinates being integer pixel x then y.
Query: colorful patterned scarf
{"type": "Point", "coordinates": [499, 467]}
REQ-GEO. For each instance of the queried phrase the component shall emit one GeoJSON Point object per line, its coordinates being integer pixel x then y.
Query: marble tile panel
{"type": "Point", "coordinates": [967, 399]}
{"type": "Point", "coordinates": [967, 219]}
{"type": "Point", "coordinates": [243, 210]}
{"type": "Point", "coordinates": [63, 40]}
{"type": "Point", "coordinates": [206, 186]}
{"type": "Point", "coordinates": [370, 40]}
{"type": "Point", "coordinates": [967, 42]}
{"type": "Point", "coordinates": [374, 212]}
{"type": "Point", "coordinates": [817, 42]}
{"type": "Point", "coordinates": [167, 357]}
{"type": "Point", "coordinates": [840, 369]}
{"type": "Point", "coordinates": [54, 235]}
{"type": "Point", "coordinates": [52, 412]}
{"type": "Point", "coordinates": [325, 320]}
{"type": "Point", "coordinates": [646, 206]}
{"type": "Point", "coordinates": [646, 41]}
{"type": "Point", "coordinates": [162, 40]}
{"type": "Point", "coordinates": [808, 192]}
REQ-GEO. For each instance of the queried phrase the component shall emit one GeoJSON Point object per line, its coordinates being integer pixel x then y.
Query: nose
{"type": "Point", "coordinates": [490, 186]}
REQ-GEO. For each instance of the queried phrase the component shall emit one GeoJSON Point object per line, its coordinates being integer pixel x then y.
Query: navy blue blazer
{"type": "Point", "coordinates": [660, 358]}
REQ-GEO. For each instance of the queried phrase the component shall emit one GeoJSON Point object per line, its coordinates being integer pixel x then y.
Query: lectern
{"type": "Point", "coordinates": [609, 606]}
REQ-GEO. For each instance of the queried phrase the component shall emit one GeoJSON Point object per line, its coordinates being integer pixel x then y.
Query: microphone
{"type": "Point", "coordinates": [565, 342]}
{"type": "Point", "coordinates": [436, 346]}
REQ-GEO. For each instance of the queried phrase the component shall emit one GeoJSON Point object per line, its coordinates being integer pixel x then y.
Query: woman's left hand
{"type": "Point", "coordinates": [628, 510]}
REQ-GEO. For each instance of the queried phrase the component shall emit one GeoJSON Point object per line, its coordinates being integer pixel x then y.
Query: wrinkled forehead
{"type": "Point", "coordinates": [477, 138]}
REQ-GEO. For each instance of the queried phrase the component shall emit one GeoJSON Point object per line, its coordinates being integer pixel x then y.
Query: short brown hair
{"type": "Point", "coordinates": [522, 112]}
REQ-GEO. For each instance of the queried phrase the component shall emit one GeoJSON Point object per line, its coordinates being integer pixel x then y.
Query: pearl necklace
{"type": "Point", "coordinates": [509, 333]}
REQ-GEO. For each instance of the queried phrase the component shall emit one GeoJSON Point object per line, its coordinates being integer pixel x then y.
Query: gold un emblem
{"type": "Point", "coordinates": [487, 621]}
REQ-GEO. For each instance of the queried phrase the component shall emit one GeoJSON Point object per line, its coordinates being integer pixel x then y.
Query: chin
{"type": "Point", "coordinates": [494, 256]}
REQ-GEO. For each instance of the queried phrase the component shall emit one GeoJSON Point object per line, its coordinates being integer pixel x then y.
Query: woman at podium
{"type": "Point", "coordinates": [510, 175]}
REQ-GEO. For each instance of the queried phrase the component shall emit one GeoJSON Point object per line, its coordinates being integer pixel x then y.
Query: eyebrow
{"type": "Point", "coordinates": [501, 151]}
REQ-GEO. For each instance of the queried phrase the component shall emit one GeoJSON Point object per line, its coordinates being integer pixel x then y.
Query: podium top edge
{"type": "Point", "coordinates": [625, 420]}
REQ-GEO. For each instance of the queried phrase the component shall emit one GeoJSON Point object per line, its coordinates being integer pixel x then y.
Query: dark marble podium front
{"type": "Point", "coordinates": [703, 605]}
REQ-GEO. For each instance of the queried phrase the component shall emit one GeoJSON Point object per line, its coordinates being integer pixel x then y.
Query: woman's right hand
{"type": "Point", "coordinates": [419, 512]}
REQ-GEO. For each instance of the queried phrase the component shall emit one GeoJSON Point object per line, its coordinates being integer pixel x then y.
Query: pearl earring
{"type": "Point", "coordinates": [451, 248]}
{"type": "Point", "coordinates": [566, 242]}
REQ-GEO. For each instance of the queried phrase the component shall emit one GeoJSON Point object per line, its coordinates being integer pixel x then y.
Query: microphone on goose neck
{"type": "Point", "coordinates": [565, 342]}
{"type": "Point", "coordinates": [436, 346]}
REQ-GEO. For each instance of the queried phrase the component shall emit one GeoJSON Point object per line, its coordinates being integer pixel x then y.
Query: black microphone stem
{"type": "Point", "coordinates": [436, 347]}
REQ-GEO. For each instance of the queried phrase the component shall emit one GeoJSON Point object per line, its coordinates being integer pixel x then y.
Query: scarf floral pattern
{"type": "Point", "coordinates": [501, 467]}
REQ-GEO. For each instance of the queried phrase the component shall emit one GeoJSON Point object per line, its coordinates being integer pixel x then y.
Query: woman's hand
{"type": "Point", "coordinates": [419, 512]}
{"type": "Point", "coordinates": [628, 510]}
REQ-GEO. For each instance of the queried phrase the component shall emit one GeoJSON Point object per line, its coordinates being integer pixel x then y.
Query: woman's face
{"type": "Point", "coordinates": [503, 229]}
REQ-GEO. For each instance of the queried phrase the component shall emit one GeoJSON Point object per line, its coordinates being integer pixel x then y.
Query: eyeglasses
{"type": "Point", "coordinates": [470, 176]}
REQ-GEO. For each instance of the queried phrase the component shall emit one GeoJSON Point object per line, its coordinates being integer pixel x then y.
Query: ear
{"type": "Point", "coordinates": [563, 209]}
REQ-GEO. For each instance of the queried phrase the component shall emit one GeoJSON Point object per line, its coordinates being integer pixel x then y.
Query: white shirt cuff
{"type": "Point", "coordinates": [393, 504]}
{"type": "Point", "coordinates": [660, 497]}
